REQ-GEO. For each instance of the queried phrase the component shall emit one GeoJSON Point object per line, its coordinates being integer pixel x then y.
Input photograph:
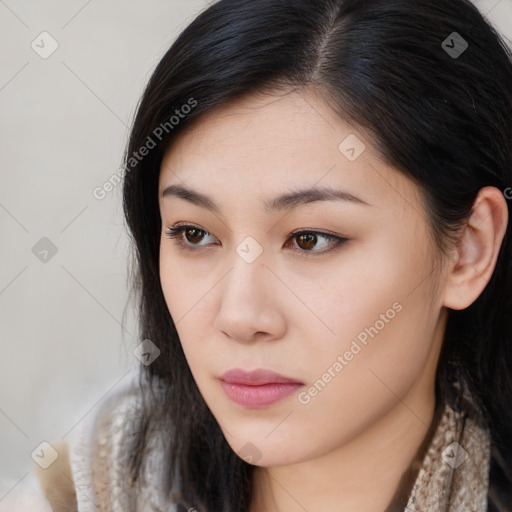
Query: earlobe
{"type": "Point", "coordinates": [477, 250]}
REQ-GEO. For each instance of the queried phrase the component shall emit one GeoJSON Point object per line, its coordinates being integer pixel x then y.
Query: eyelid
{"type": "Point", "coordinates": [176, 232]}
{"type": "Point", "coordinates": [336, 241]}
{"type": "Point", "coordinates": [178, 229]}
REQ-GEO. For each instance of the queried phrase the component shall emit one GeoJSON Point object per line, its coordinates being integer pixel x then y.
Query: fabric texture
{"type": "Point", "coordinates": [453, 475]}
{"type": "Point", "coordinates": [100, 454]}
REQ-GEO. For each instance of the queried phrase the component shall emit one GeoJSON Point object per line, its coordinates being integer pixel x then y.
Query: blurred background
{"type": "Point", "coordinates": [71, 74]}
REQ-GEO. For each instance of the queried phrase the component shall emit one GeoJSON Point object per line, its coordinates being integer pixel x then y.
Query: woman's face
{"type": "Point", "coordinates": [256, 283]}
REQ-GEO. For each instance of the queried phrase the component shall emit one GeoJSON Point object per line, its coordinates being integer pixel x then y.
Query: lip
{"type": "Point", "coordinates": [257, 388]}
{"type": "Point", "coordinates": [256, 377]}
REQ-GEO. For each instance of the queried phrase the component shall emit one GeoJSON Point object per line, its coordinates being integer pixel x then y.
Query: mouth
{"type": "Point", "coordinates": [258, 388]}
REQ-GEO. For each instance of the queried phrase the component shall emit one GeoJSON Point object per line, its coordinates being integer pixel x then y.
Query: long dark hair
{"type": "Point", "coordinates": [438, 109]}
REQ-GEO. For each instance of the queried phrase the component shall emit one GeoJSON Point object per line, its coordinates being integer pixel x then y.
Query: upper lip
{"type": "Point", "coordinates": [256, 377]}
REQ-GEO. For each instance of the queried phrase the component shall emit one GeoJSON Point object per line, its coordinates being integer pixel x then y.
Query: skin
{"type": "Point", "coordinates": [294, 311]}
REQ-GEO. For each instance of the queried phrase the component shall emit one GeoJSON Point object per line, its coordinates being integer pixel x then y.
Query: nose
{"type": "Point", "coordinates": [249, 303]}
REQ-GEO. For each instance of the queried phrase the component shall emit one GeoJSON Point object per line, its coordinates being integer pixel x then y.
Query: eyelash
{"type": "Point", "coordinates": [176, 233]}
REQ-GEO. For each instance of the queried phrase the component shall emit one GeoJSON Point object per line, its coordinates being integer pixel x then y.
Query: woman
{"type": "Point", "coordinates": [318, 198]}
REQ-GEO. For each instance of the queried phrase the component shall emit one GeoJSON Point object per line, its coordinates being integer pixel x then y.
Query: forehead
{"type": "Point", "coordinates": [257, 124]}
{"type": "Point", "coordinates": [277, 141]}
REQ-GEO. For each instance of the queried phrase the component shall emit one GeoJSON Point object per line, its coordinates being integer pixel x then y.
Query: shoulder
{"type": "Point", "coordinates": [106, 446]}
{"type": "Point", "coordinates": [84, 470]}
{"type": "Point", "coordinates": [91, 470]}
{"type": "Point", "coordinates": [98, 451]}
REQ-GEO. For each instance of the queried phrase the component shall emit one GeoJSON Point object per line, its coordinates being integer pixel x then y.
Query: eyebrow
{"type": "Point", "coordinates": [286, 201]}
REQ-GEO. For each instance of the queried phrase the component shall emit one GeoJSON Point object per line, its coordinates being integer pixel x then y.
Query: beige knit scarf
{"type": "Point", "coordinates": [453, 475]}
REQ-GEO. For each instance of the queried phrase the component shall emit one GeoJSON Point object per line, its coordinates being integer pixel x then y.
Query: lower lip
{"type": "Point", "coordinates": [259, 396]}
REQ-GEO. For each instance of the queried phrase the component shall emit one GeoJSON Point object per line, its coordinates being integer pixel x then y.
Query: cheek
{"type": "Point", "coordinates": [354, 296]}
{"type": "Point", "coordinates": [185, 280]}
{"type": "Point", "coordinates": [179, 287]}
{"type": "Point", "coordinates": [176, 294]}
{"type": "Point", "coordinates": [184, 298]}
{"type": "Point", "coordinates": [357, 376]}
{"type": "Point", "coordinates": [375, 318]}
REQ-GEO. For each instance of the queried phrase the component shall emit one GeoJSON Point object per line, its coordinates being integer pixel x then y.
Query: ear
{"type": "Point", "coordinates": [477, 250]}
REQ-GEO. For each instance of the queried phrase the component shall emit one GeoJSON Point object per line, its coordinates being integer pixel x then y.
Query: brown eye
{"type": "Point", "coordinates": [306, 241]}
{"type": "Point", "coordinates": [193, 235]}
{"type": "Point", "coordinates": [316, 242]}
{"type": "Point", "coordinates": [188, 237]}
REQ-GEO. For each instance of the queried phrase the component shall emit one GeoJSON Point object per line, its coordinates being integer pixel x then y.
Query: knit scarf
{"type": "Point", "coordinates": [453, 475]}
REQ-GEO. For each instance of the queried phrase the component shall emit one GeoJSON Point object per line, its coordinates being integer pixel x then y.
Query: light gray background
{"type": "Point", "coordinates": [63, 125]}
